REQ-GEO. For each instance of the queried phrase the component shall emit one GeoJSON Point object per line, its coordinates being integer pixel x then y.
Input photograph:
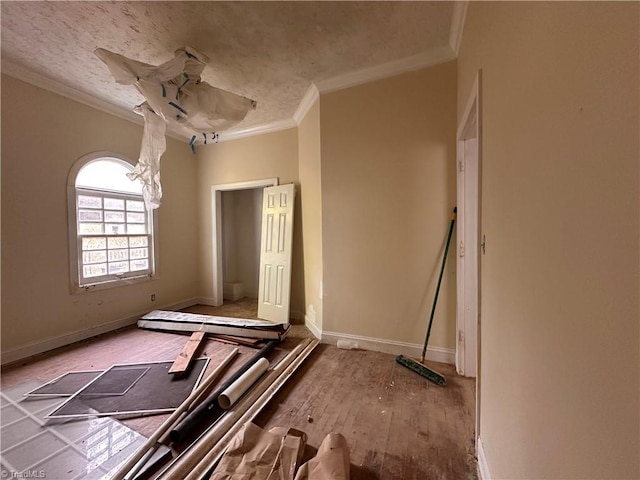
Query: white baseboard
{"type": "Point", "coordinates": [311, 325]}
{"type": "Point", "coordinates": [435, 354]}
{"type": "Point", "coordinates": [178, 306]}
{"type": "Point", "coordinates": [205, 301]}
{"type": "Point", "coordinates": [483, 466]}
{"type": "Point", "coordinates": [29, 350]}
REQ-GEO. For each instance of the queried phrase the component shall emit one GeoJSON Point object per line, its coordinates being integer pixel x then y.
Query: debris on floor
{"type": "Point", "coordinates": [192, 322]}
{"type": "Point", "coordinates": [127, 389]}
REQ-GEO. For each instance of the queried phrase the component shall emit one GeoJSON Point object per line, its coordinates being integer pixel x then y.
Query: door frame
{"type": "Point", "coordinates": [216, 228]}
{"type": "Point", "coordinates": [470, 128]}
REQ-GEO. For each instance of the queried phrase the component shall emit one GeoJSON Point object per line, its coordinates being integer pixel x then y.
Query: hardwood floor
{"type": "Point", "coordinates": [397, 424]}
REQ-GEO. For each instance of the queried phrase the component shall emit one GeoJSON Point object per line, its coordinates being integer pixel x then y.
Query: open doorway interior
{"type": "Point", "coordinates": [241, 229]}
{"type": "Point", "coordinates": [243, 214]}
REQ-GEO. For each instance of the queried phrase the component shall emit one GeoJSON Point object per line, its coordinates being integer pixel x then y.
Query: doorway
{"type": "Point", "coordinates": [233, 219]}
{"type": "Point", "coordinates": [241, 222]}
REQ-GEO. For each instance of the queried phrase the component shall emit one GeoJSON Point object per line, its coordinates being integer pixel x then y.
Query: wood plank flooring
{"type": "Point", "coordinates": [397, 424]}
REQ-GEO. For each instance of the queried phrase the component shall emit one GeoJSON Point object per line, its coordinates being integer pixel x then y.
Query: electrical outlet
{"type": "Point", "coordinates": [153, 297]}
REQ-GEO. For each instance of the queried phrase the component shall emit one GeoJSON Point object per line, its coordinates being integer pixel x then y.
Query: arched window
{"type": "Point", "coordinates": [111, 232]}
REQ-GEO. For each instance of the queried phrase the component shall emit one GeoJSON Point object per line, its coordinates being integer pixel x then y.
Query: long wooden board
{"type": "Point", "coordinates": [181, 363]}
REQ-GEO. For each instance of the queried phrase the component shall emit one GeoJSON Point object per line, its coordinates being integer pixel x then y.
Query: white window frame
{"type": "Point", "coordinates": [77, 283]}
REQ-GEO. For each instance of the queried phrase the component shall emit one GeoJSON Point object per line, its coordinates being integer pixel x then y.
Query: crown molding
{"type": "Point", "coordinates": [457, 24]}
{"type": "Point", "coordinates": [426, 59]}
{"type": "Point", "coordinates": [258, 129]}
{"type": "Point", "coordinates": [306, 103]}
{"type": "Point", "coordinates": [23, 74]}
{"type": "Point", "coordinates": [37, 80]}
{"type": "Point", "coordinates": [29, 76]}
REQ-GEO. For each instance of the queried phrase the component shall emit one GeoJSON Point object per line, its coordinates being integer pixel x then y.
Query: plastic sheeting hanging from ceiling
{"type": "Point", "coordinates": [176, 98]}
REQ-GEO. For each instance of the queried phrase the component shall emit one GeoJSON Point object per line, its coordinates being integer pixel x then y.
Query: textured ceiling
{"type": "Point", "coordinates": [268, 51]}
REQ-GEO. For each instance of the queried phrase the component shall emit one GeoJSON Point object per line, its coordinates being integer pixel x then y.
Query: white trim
{"type": "Point", "coordinates": [258, 130]}
{"type": "Point", "coordinates": [74, 262]}
{"type": "Point", "coordinates": [458, 17]}
{"type": "Point", "coordinates": [474, 97]}
{"type": "Point", "coordinates": [38, 80]}
{"type": "Point", "coordinates": [216, 230]}
{"type": "Point", "coordinates": [470, 328]}
{"type": "Point", "coordinates": [29, 350]}
{"type": "Point", "coordinates": [435, 354]}
{"type": "Point", "coordinates": [310, 324]}
{"type": "Point", "coordinates": [483, 465]}
{"type": "Point", "coordinates": [426, 59]}
{"type": "Point", "coordinates": [205, 301]}
{"type": "Point", "coordinates": [430, 58]}
{"type": "Point", "coordinates": [306, 103]}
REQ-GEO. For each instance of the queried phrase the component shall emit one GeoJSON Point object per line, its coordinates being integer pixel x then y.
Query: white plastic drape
{"type": "Point", "coordinates": [147, 170]}
{"type": "Point", "coordinates": [175, 98]}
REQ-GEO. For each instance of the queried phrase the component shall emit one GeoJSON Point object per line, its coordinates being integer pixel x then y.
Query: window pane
{"type": "Point", "coordinates": [94, 256]}
{"type": "Point", "coordinates": [136, 228]}
{"type": "Point", "coordinates": [107, 172]}
{"type": "Point", "coordinates": [90, 228]}
{"type": "Point", "coordinates": [115, 255]}
{"type": "Point", "coordinates": [114, 228]}
{"type": "Point", "coordinates": [135, 205]}
{"type": "Point", "coordinates": [85, 201]}
{"type": "Point", "coordinates": [118, 242]}
{"type": "Point", "coordinates": [137, 242]}
{"type": "Point", "coordinates": [90, 215]}
{"type": "Point", "coordinates": [118, 267]}
{"type": "Point", "coordinates": [95, 270]}
{"type": "Point", "coordinates": [113, 203]}
{"type": "Point", "coordinates": [114, 217]}
{"type": "Point", "coordinates": [139, 253]}
{"type": "Point", "coordinates": [133, 217]}
{"type": "Point", "coordinates": [94, 243]}
{"type": "Point", "coordinates": [137, 265]}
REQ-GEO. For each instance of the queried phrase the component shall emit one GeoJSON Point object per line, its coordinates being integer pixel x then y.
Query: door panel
{"type": "Point", "coordinates": [275, 253]}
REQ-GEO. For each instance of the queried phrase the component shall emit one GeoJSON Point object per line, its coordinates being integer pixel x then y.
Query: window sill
{"type": "Point", "coordinates": [77, 289]}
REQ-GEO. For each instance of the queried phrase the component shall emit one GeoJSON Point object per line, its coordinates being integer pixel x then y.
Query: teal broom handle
{"type": "Point", "coordinates": [435, 300]}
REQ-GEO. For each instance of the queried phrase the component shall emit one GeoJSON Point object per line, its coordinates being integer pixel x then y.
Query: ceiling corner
{"type": "Point", "coordinates": [28, 76]}
{"type": "Point", "coordinates": [306, 103]}
{"type": "Point", "coordinates": [457, 24]}
{"type": "Point", "coordinates": [258, 130]}
{"type": "Point", "coordinates": [429, 58]}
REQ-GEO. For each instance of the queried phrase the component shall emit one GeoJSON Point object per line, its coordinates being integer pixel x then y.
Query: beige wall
{"type": "Point", "coordinates": [560, 339]}
{"type": "Point", "coordinates": [42, 136]}
{"type": "Point", "coordinates": [388, 187]}
{"type": "Point", "coordinates": [253, 158]}
{"type": "Point", "coordinates": [311, 201]}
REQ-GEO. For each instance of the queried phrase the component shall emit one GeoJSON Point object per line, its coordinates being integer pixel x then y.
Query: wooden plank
{"type": "Point", "coordinates": [249, 342]}
{"type": "Point", "coordinates": [184, 358]}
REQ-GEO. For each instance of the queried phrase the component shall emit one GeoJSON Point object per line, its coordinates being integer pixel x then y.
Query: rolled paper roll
{"type": "Point", "coordinates": [240, 386]}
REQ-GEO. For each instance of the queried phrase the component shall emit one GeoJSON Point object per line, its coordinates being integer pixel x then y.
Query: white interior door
{"type": "Point", "coordinates": [467, 235]}
{"type": "Point", "coordinates": [469, 156]}
{"type": "Point", "coordinates": [274, 289]}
